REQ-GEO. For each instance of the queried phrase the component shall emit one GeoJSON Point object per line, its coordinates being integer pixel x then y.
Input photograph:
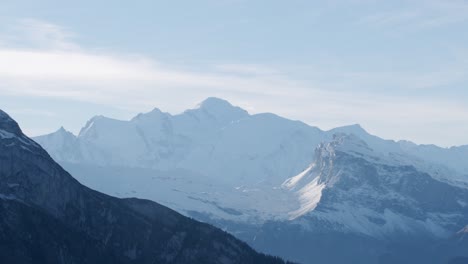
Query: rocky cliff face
{"type": "Point", "coordinates": [46, 216]}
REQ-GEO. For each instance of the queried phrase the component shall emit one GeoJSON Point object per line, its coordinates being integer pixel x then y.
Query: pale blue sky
{"type": "Point", "coordinates": [399, 68]}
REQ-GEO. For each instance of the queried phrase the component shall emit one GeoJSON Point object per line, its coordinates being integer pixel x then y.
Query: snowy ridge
{"type": "Point", "coordinates": [292, 183]}
{"type": "Point", "coordinates": [309, 197]}
{"type": "Point", "coordinates": [12, 134]}
{"type": "Point", "coordinates": [307, 188]}
{"type": "Point", "coordinates": [5, 134]}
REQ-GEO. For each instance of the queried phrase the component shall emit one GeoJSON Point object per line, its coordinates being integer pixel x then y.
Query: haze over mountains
{"type": "Point", "coordinates": [283, 186]}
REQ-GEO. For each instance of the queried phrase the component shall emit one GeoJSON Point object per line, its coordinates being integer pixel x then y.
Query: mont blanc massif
{"type": "Point", "coordinates": [283, 187]}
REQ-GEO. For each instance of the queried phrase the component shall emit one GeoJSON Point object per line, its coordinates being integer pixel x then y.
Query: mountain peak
{"type": "Point", "coordinates": [90, 124]}
{"type": "Point", "coordinates": [8, 124]}
{"type": "Point", "coordinates": [219, 109]}
{"type": "Point", "coordinates": [62, 130]}
{"type": "Point", "coordinates": [351, 129]}
{"type": "Point", "coordinates": [214, 103]}
{"type": "Point", "coordinates": [155, 113]}
{"type": "Point", "coordinates": [349, 143]}
{"type": "Point", "coordinates": [356, 126]}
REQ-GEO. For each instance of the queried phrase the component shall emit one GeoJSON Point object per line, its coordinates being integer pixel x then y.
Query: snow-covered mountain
{"type": "Point", "coordinates": [364, 193]}
{"type": "Point", "coordinates": [219, 164]}
{"type": "Point", "coordinates": [212, 139]}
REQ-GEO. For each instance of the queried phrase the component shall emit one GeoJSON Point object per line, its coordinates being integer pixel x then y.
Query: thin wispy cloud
{"type": "Point", "coordinates": [40, 34]}
{"type": "Point", "coordinates": [418, 15]}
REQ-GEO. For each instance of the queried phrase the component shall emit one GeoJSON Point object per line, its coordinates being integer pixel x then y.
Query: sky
{"type": "Point", "coordinates": [398, 68]}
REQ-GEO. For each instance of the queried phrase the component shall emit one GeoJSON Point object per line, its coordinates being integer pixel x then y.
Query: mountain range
{"type": "Point", "coordinates": [282, 186]}
{"type": "Point", "coordinates": [46, 216]}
